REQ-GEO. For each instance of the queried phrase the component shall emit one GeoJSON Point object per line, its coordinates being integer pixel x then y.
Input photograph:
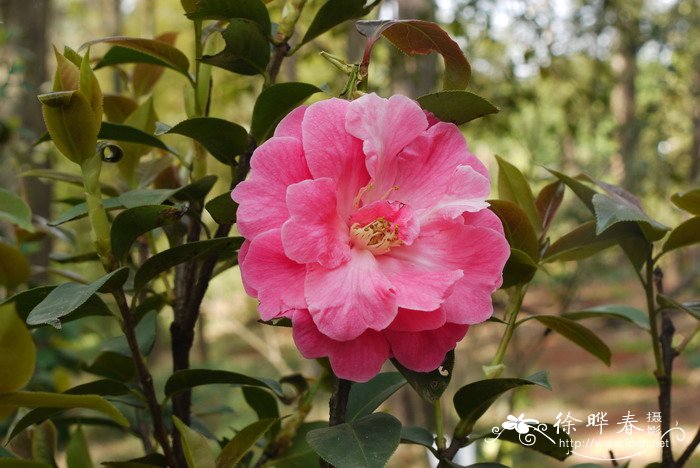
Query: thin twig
{"type": "Point", "coordinates": [685, 456]}
{"type": "Point", "coordinates": [145, 377]}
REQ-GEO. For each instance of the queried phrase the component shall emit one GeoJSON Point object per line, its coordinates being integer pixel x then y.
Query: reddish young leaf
{"type": "Point", "coordinates": [548, 202]}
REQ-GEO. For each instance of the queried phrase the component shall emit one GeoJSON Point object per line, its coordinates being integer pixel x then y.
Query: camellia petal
{"type": "Point", "coordinates": [290, 125]}
{"type": "Point", "coordinates": [424, 351]}
{"type": "Point", "coordinates": [346, 301]}
{"type": "Point", "coordinates": [359, 359]}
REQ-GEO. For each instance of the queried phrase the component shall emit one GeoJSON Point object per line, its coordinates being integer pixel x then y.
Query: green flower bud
{"type": "Point", "coordinates": [73, 110]}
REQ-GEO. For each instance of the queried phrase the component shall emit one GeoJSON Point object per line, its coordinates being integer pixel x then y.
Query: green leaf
{"type": "Point", "coordinates": [331, 14]}
{"type": "Point", "coordinates": [583, 241]}
{"type": "Point", "coordinates": [134, 222]}
{"type": "Point", "coordinates": [81, 209]}
{"type": "Point", "coordinates": [222, 208]}
{"type": "Point", "coordinates": [429, 385]}
{"type": "Point", "coordinates": [264, 405]}
{"type": "Point", "coordinates": [422, 37]}
{"type": "Point", "coordinates": [15, 210]}
{"type": "Point", "coordinates": [631, 314]}
{"type": "Point", "coordinates": [274, 103]}
{"type": "Point", "coordinates": [68, 297]}
{"type": "Point", "coordinates": [145, 336]}
{"type": "Point", "coordinates": [191, 378]}
{"type": "Point", "coordinates": [98, 387]}
{"type": "Point", "coordinates": [144, 76]}
{"type": "Point", "coordinates": [127, 133]}
{"type": "Point", "coordinates": [458, 107]}
{"type": "Point", "coordinates": [63, 400]}
{"type": "Point", "coordinates": [44, 441]}
{"type": "Point", "coordinates": [234, 451]}
{"type": "Point", "coordinates": [688, 201]}
{"type": "Point", "coordinates": [113, 366]}
{"type": "Point", "coordinates": [612, 210]}
{"type": "Point", "coordinates": [299, 455]}
{"type": "Point", "coordinates": [686, 233]}
{"type": "Point", "coordinates": [163, 261]}
{"type": "Point", "coordinates": [576, 333]}
{"type": "Point", "coordinates": [27, 300]}
{"type": "Point", "coordinates": [253, 10]}
{"type": "Point", "coordinates": [367, 442]}
{"type": "Point", "coordinates": [689, 308]}
{"type": "Point", "coordinates": [247, 50]}
{"type": "Point", "coordinates": [14, 266]}
{"type": "Point", "coordinates": [582, 191]}
{"type": "Point", "coordinates": [547, 442]}
{"type": "Point", "coordinates": [72, 179]}
{"type": "Point", "coordinates": [138, 50]}
{"type": "Point", "coordinates": [417, 435]}
{"type": "Point", "coordinates": [196, 447]}
{"type": "Point", "coordinates": [548, 201]}
{"type": "Point", "coordinates": [77, 453]}
{"type": "Point", "coordinates": [367, 396]}
{"type": "Point", "coordinates": [513, 187]}
{"type": "Point", "coordinates": [16, 463]}
{"type": "Point", "coordinates": [223, 139]}
{"type": "Point", "coordinates": [117, 108]}
{"type": "Point", "coordinates": [474, 399]}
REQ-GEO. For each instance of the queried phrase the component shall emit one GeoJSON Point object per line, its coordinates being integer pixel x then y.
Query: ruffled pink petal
{"type": "Point", "coordinates": [432, 120]}
{"type": "Point", "coordinates": [354, 297]}
{"type": "Point", "coordinates": [484, 218]}
{"type": "Point", "coordinates": [315, 232]}
{"type": "Point", "coordinates": [278, 280]}
{"type": "Point", "coordinates": [432, 174]}
{"type": "Point", "coordinates": [242, 252]}
{"type": "Point", "coordinates": [386, 126]}
{"type": "Point", "coordinates": [397, 213]}
{"type": "Point", "coordinates": [275, 165]}
{"type": "Point", "coordinates": [332, 152]}
{"type": "Point", "coordinates": [358, 360]}
{"type": "Point", "coordinates": [418, 320]}
{"type": "Point", "coordinates": [290, 125]}
{"type": "Point", "coordinates": [424, 351]}
{"type": "Point", "coordinates": [467, 191]}
{"type": "Point", "coordinates": [418, 286]}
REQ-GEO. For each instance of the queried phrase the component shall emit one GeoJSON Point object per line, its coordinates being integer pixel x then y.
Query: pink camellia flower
{"type": "Point", "coordinates": [366, 225]}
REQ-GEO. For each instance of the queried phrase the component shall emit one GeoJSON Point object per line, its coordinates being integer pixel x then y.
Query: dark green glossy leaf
{"type": "Point", "coordinates": [148, 461]}
{"type": "Point", "coordinates": [576, 333]}
{"type": "Point", "coordinates": [222, 208]}
{"type": "Point", "coordinates": [547, 441]}
{"type": "Point", "coordinates": [80, 211]}
{"type": "Point", "coordinates": [331, 14]}
{"type": "Point", "coordinates": [518, 229]}
{"type": "Point", "coordinates": [15, 211]}
{"type": "Point", "coordinates": [145, 336]}
{"type": "Point", "coordinates": [68, 297]}
{"type": "Point", "coordinates": [458, 107]}
{"type": "Point", "coordinates": [253, 10]}
{"type": "Point", "coordinates": [416, 37]}
{"type": "Point", "coordinates": [74, 258]}
{"type": "Point", "coordinates": [247, 50]}
{"type": "Point", "coordinates": [474, 399]}
{"type": "Point", "coordinates": [27, 300]}
{"type": "Point", "coordinates": [417, 435]}
{"type": "Point", "coordinates": [134, 222]}
{"type": "Point", "coordinates": [274, 103]}
{"type": "Point", "coordinates": [234, 451]}
{"type": "Point", "coordinates": [139, 50]}
{"type": "Point", "coordinates": [121, 132]}
{"type": "Point", "coordinates": [611, 210]}
{"type": "Point", "coordinates": [367, 396]}
{"type": "Point", "coordinates": [111, 365]}
{"type": "Point", "coordinates": [223, 139]}
{"type": "Point", "coordinates": [264, 404]}
{"type": "Point", "coordinates": [631, 314]}
{"type": "Point", "coordinates": [688, 201]}
{"type": "Point", "coordinates": [63, 400]}
{"type": "Point", "coordinates": [367, 442]}
{"type": "Point", "coordinates": [582, 191]}
{"type": "Point", "coordinates": [548, 201]}
{"type": "Point", "coordinates": [163, 261]}
{"type": "Point", "coordinates": [429, 385]}
{"type": "Point", "coordinates": [583, 241]}
{"type": "Point", "coordinates": [513, 187]}
{"type": "Point", "coordinates": [685, 234]}
{"type": "Point", "coordinates": [196, 447]}
{"type": "Point", "coordinates": [191, 378]}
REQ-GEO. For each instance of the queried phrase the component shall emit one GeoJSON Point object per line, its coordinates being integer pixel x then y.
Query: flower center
{"type": "Point", "coordinates": [378, 237]}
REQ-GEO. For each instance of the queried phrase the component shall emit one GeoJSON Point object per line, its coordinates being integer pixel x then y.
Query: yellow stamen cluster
{"type": "Point", "coordinates": [379, 236]}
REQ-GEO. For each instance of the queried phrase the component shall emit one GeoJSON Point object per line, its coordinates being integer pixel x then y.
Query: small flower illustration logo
{"type": "Point", "coordinates": [520, 424]}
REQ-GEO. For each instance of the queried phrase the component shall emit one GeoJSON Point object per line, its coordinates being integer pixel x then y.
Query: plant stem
{"type": "Point", "coordinates": [515, 301]}
{"type": "Point", "coordinates": [651, 311]}
{"type": "Point", "coordinates": [685, 456]}
{"type": "Point", "coordinates": [339, 402]}
{"type": "Point", "coordinates": [439, 426]}
{"type": "Point", "coordinates": [145, 378]}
